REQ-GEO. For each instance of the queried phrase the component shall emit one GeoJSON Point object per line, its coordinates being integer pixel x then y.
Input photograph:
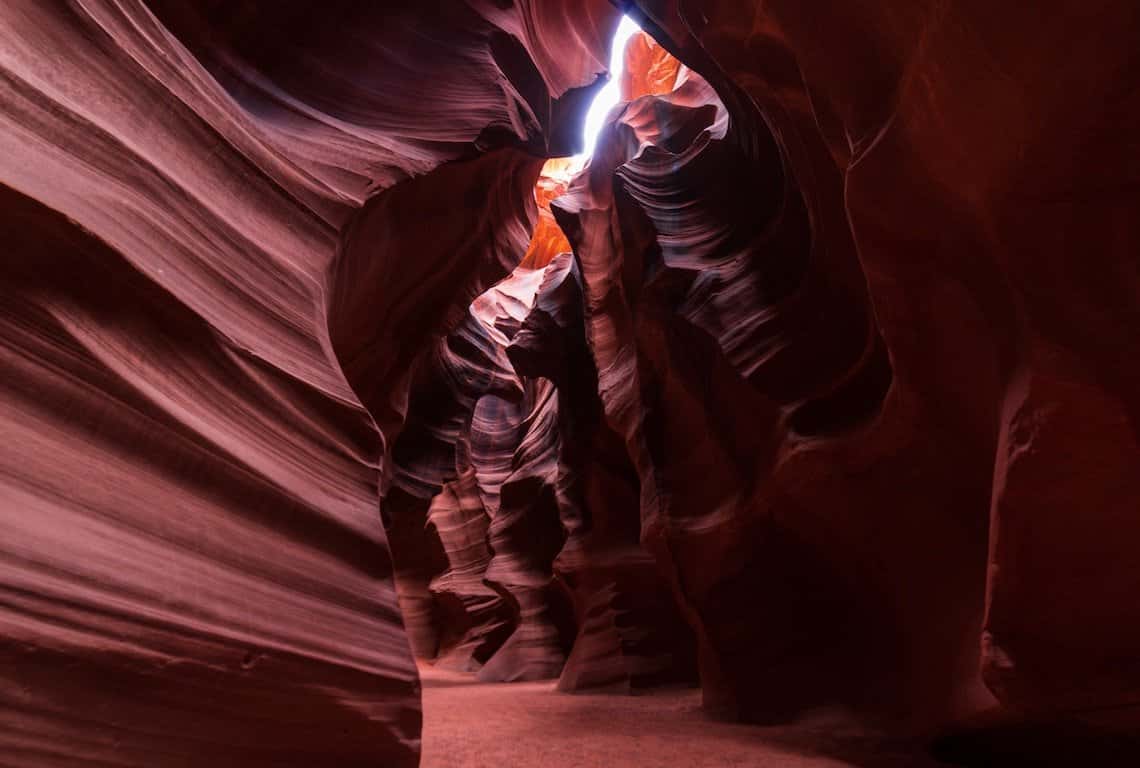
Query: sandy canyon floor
{"type": "Point", "coordinates": [530, 725]}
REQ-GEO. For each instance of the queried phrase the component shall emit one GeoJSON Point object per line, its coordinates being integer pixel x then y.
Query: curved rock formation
{"type": "Point", "coordinates": [920, 239]}
{"type": "Point", "coordinates": [722, 329]}
{"type": "Point", "coordinates": [506, 406]}
{"type": "Point", "coordinates": [816, 384]}
{"type": "Point", "coordinates": [196, 198]}
{"type": "Point", "coordinates": [478, 451]}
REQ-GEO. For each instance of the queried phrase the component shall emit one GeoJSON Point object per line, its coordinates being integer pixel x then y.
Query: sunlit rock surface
{"type": "Point", "coordinates": [649, 69]}
{"type": "Point", "coordinates": [547, 239]}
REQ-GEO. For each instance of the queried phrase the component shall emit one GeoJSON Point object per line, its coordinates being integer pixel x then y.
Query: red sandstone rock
{"type": "Point", "coordinates": [835, 397]}
{"type": "Point", "coordinates": [648, 69]}
{"type": "Point", "coordinates": [191, 552]}
{"type": "Point", "coordinates": [956, 176]}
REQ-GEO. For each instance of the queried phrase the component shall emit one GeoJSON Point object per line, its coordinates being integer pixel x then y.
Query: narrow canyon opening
{"type": "Point", "coordinates": [513, 512]}
{"type": "Point", "coordinates": [515, 516]}
{"type": "Point", "coordinates": [384, 383]}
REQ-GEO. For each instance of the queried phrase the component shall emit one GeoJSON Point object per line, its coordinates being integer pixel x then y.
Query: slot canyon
{"type": "Point", "coordinates": [569, 383]}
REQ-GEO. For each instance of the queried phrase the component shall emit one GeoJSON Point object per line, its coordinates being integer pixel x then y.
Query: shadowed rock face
{"type": "Point", "coordinates": [816, 384]}
{"type": "Point", "coordinates": [920, 498]}
{"type": "Point", "coordinates": [714, 337]}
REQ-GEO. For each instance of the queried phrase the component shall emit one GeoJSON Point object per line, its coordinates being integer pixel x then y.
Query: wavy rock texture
{"type": "Point", "coordinates": [848, 294]}
{"type": "Point", "coordinates": [817, 383]}
{"type": "Point", "coordinates": [629, 633]}
{"type": "Point", "coordinates": [510, 498]}
{"type": "Point", "coordinates": [214, 288]}
{"type": "Point", "coordinates": [471, 497]}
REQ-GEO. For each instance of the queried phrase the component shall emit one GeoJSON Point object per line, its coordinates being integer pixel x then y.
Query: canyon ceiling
{"type": "Point", "coordinates": [819, 383]}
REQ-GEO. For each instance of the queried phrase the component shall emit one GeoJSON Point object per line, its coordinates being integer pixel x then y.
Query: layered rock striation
{"type": "Point", "coordinates": [207, 209]}
{"type": "Point", "coordinates": [815, 385]}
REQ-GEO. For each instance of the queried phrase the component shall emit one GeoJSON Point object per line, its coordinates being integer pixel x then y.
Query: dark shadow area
{"type": "Point", "coordinates": [1041, 744]}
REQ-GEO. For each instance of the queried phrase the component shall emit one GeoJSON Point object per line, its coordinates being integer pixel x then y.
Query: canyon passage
{"type": "Point", "coordinates": [569, 383]}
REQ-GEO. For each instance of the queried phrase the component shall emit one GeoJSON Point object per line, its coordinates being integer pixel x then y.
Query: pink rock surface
{"type": "Point", "coordinates": [192, 560]}
{"type": "Point", "coordinates": [816, 385]}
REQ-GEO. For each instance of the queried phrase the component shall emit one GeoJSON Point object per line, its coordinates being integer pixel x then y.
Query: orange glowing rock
{"type": "Point", "coordinates": [548, 240]}
{"type": "Point", "coordinates": [649, 70]}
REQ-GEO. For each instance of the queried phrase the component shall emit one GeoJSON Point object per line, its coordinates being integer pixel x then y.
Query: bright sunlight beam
{"type": "Point", "coordinates": [608, 96]}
